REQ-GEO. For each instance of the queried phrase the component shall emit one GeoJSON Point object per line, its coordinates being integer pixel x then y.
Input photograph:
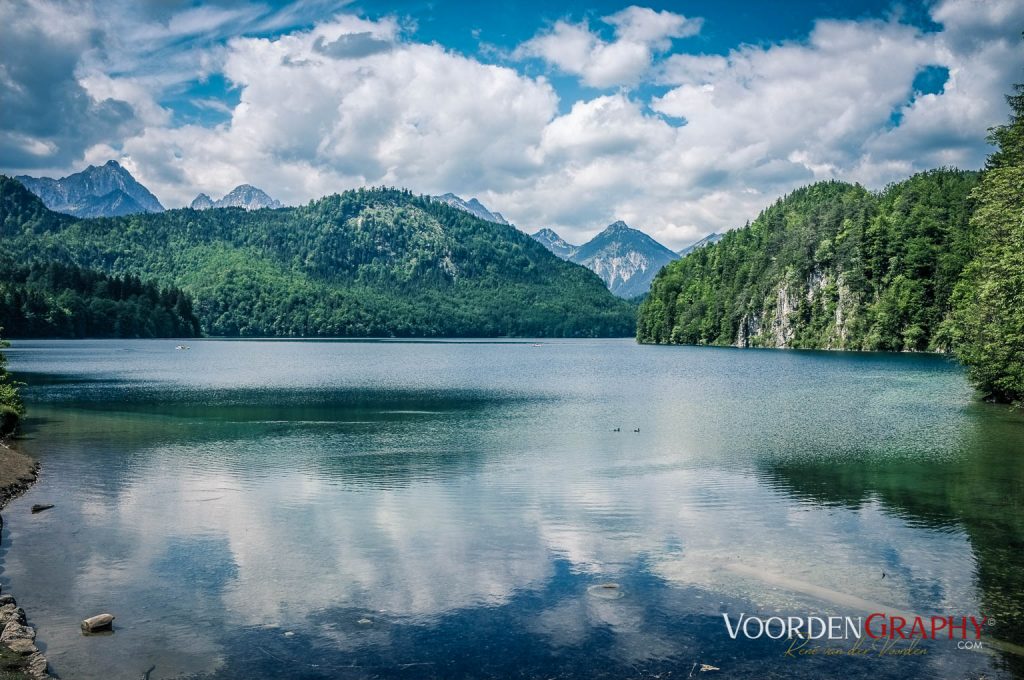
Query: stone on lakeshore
{"type": "Point", "coordinates": [10, 612]}
{"type": "Point", "coordinates": [22, 646]}
{"type": "Point", "coordinates": [36, 665]}
{"type": "Point", "coordinates": [39, 507]}
{"type": "Point", "coordinates": [7, 599]}
{"type": "Point", "coordinates": [97, 623]}
{"type": "Point", "coordinates": [17, 631]}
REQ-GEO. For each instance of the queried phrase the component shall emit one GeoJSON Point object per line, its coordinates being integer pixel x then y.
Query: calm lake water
{"type": "Point", "coordinates": [454, 509]}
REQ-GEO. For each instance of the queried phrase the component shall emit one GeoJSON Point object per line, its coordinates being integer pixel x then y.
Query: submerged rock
{"type": "Point", "coordinates": [605, 591]}
{"type": "Point", "coordinates": [97, 623]}
{"type": "Point", "coordinates": [39, 507]}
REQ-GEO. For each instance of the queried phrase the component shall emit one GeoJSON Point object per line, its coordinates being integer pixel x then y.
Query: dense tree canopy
{"type": "Point", "coordinates": [831, 265]}
{"type": "Point", "coordinates": [11, 407]}
{"type": "Point", "coordinates": [378, 262]}
{"type": "Point", "coordinates": [61, 301]}
{"type": "Point", "coordinates": [988, 324]}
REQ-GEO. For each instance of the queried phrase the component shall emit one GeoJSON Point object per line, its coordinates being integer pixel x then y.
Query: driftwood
{"type": "Point", "coordinates": [98, 623]}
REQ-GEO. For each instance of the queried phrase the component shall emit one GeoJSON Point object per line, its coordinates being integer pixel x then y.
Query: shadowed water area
{"type": "Point", "coordinates": [254, 509]}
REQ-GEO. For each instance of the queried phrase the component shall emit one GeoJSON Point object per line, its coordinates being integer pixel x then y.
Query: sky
{"type": "Point", "coordinates": [680, 118]}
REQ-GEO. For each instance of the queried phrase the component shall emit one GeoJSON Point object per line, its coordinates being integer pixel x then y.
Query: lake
{"type": "Point", "coordinates": [467, 509]}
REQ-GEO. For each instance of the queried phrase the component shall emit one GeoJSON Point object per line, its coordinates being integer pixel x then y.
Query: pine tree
{"type": "Point", "coordinates": [989, 317]}
{"type": "Point", "coordinates": [11, 406]}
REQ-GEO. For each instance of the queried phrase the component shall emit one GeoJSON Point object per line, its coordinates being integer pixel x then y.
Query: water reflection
{"type": "Point", "coordinates": [979, 494]}
{"type": "Point", "coordinates": [381, 525]}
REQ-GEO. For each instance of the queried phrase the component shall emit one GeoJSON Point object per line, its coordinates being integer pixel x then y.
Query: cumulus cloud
{"type": "Point", "coordinates": [640, 33]}
{"type": "Point", "coordinates": [351, 101]}
{"type": "Point", "coordinates": [49, 116]}
{"type": "Point", "coordinates": [310, 122]}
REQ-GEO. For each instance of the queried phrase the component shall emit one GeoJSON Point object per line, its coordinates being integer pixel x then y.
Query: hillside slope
{"type": "Point", "coordinates": [378, 262]}
{"type": "Point", "coordinates": [828, 266]}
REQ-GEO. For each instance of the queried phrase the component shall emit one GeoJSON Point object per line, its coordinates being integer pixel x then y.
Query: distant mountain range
{"type": "Point", "coordinates": [105, 191]}
{"type": "Point", "coordinates": [243, 196]}
{"type": "Point", "coordinates": [472, 206]}
{"type": "Point", "coordinates": [706, 241]}
{"type": "Point", "coordinates": [555, 243]}
{"type": "Point", "coordinates": [110, 191]}
{"type": "Point", "coordinates": [626, 259]}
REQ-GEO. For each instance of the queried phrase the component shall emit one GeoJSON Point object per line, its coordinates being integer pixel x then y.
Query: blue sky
{"type": "Point", "coordinates": [681, 118]}
{"type": "Point", "coordinates": [506, 25]}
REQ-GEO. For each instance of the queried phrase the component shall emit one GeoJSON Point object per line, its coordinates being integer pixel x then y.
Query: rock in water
{"type": "Point", "coordinates": [98, 623]}
{"type": "Point", "coordinates": [39, 507]}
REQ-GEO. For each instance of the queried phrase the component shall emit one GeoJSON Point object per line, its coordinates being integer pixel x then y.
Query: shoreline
{"type": "Point", "coordinates": [19, 656]}
{"type": "Point", "coordinates": [18, 472]}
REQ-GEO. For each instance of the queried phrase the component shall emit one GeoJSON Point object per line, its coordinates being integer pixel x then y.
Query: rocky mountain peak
{"type": "Point", "coordinates": [108, 190]}
{"type": "Point", "coordinates": [243, 196]}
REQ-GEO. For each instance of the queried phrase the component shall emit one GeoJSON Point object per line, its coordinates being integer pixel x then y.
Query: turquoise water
{"type": "Point", "coordinates": [453, 509]}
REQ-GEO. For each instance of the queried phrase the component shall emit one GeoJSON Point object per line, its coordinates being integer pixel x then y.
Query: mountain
{"type": "Point", "coordinates": [555, 243]}
{"type": "Point", "coordinates": [473, 207]}
{"type": "Point", "coordinates": [243, 196]}
{"type": "Point", "coordinates": [830, 266]}
{"type": "Point", "coordinates": [379, 262]}
{"type": "Point", "coordinates": [706, 241]}
{"type": "Point", "coordinates": [105, 191]}
{"type": "Point", "coordinates": [626, 259]}
{"type": "Point", "coordinates": [202, 202]}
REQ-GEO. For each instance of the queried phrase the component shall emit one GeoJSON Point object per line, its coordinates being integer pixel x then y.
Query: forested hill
{"type": "Point", "coordinates": [831, 265]}
{"type": "Point", "coordinates": [377, 262]}
{"type": "Point", "coordinates": [64, 301]}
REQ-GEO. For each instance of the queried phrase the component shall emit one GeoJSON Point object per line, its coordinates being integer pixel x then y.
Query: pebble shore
{"type": "Point", "coordinates": [19, 656]}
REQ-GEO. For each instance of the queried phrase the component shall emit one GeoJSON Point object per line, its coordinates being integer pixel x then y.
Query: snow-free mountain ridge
{"type": "Point", "coordinates": [243, 196]}
{"type": "Point", "coordinates": [107, 190]}
{"type": "Point", "coordinates": [555, 243]}
{"type": "Point", "coordinates": [626, 259]}
{"type": "Point", "coordinates": [697, 245]}
{"type": "Point", "coordinates": [472, 206]}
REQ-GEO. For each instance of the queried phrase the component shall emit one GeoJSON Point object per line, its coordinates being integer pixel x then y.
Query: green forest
{"type": "Point", "coordinates": [55, 300]}
{"type": "Point", "coordinates": [831, 265]}
{"type": "Point", "coordinates": [11, 406]}
{"type": "Point", "coordinates": [933, 263]}
{"type": "Point", "coordinates": [370, 262]}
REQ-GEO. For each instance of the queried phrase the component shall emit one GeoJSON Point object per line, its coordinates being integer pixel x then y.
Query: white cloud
{"type": "Point", "coordinates": [640, 33]}
{"type": "Point", "coordinates": [643, 25]}
{"type": "Point", "coordinates": [353, 101]}
{"type": "Point", "coordinates": [309, 123]}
